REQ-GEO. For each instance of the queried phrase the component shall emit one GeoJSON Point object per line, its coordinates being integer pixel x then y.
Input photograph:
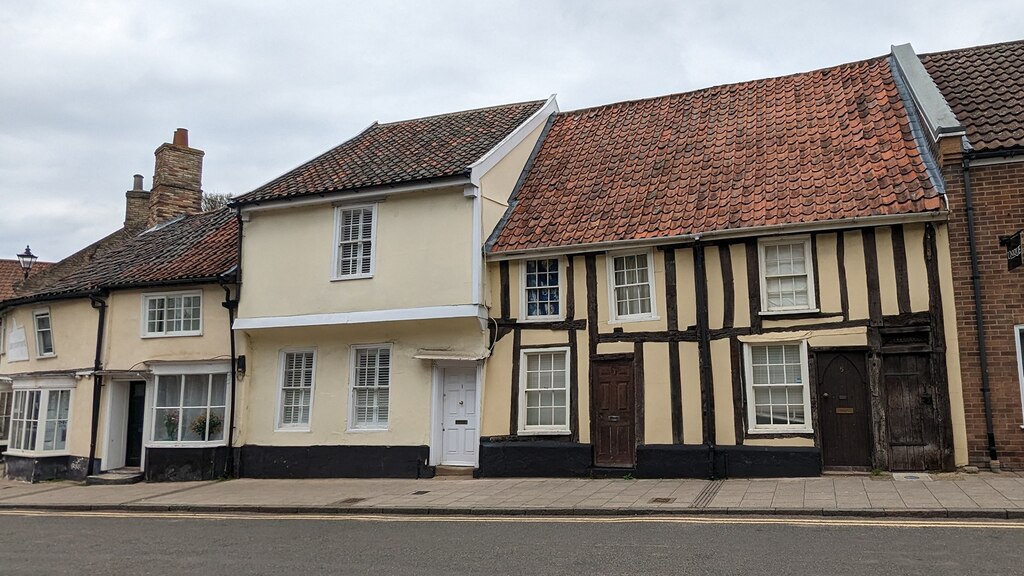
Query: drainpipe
{"type": "Point", "coordinates": [979, 318]}
{"type": "Point", "coordinates": [231, 305]}
{"type": "Point", "coordinates": [100, 305]}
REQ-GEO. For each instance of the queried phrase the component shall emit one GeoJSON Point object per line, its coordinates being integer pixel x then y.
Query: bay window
{"type": "Point", "coordinates": [190, 408]}
{"type": "Point", "coordinates": [39, 420]}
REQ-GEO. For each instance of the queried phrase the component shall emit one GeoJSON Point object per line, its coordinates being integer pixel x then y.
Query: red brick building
{"type": "Point", "coordinates": [982, 163]}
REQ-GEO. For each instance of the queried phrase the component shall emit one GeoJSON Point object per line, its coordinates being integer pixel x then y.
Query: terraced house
{"type": "Point", "coordinates": [363, 306]}
{"type": "Point", "coordinates": [979, 140]}
{"type": "Point", "coordinates": [747, 280]}
{"type": "Point", "coordinates": [120, 355]}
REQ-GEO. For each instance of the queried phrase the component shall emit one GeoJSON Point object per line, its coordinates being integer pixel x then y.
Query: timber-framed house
{"type": "Point", "coordinates": [746, 280]}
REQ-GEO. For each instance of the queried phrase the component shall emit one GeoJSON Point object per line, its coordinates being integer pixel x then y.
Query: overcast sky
{"type": "Point", "coordinates": [89, 89]}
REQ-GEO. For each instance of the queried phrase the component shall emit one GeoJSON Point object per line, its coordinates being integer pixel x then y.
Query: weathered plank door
{"type": "Point", "coordinates": [844, 414]}
{"type": "Point", "coordinates": [614, 414]}
{"type": "Point", "coordinates": [912, 412]}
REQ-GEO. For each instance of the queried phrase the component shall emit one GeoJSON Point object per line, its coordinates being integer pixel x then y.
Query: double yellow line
{"type": "Point", "coordinates": [719, 520]}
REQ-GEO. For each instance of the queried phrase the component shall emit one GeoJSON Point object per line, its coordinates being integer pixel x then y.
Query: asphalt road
{"type": "Point", "coordinates": [57, 543]}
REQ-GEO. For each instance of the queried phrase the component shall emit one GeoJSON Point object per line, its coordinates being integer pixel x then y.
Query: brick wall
{"type": "Point", "coordinates": [177, 180]}
{"type": "Point", "coordinates": [998, 192]}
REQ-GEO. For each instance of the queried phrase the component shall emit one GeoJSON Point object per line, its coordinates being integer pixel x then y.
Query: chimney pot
{"type": "Point", "coordinates": [181, 138]}
{"type": "Point", "coordinates": [138, 182]}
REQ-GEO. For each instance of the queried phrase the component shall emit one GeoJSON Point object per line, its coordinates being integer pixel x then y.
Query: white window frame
{"type": "Point", "coordinates": [748, 368]}
{"type": "Point", "coordinates": [763, 282]}
{"type": "Point", "coordinates": [39, 449]}
{"type": "Point", "coordinates": [537, 430]}
{"type": "Point", "coordinates": [36, 314]}
{"type": "Point", "coordinates": [338, 210]}
{"type": "Point", "coordinates": [6, 410]}
{"type": "Point", "coordinates": [1019, 340]}
{"type": "Point", "coordinates": [3, 334]}
{"type": "Point", "coordinates": [524, 313]}
{"type": "Point", "coordinates": [146, 298]}
{"type": "Point", "coordinates": [353, 424]}
{"type": "Point", "coordinates": [150, 440]}
{"type": "Point", "coordinates": [279, 426]}
{"type": "Point", "coordinates": [613, 307]}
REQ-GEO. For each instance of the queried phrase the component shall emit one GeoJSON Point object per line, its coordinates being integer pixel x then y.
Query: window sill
{"type": "Point", "coordinates": [36, 453]}
{"type": "Point", "coordinates": [541, 319]}
{"type": "Point", "coordinates": [213, 444]}
{"type": "Point", "coordinates": [560, 432]}
{"type": "Point", "coordinates": [366, 430]}
{"type": "Point", "coordinates": [794, 311]}
{"type": "Point", "coordinates": [780, 430]}
{"type": "Point", "coordinates": [46, 356]}
{"type": "Point", "coordinates": [171, 335]}
{"type": "Point", "coordinates": [344, 278]}
{"type": "Point", "coordinates": [631, 319]}
{"type": "Point", "coordinates": [292, 430]}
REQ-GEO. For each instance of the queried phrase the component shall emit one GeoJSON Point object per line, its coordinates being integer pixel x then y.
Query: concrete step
{"type": "Point", "coordinates": [453, 472]}
{"type": "Point", "coordinates": [119, 476]}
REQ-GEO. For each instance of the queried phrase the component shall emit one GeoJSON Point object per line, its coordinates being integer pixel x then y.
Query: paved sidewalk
{"type": "Point", "coordinates": [954, 495]}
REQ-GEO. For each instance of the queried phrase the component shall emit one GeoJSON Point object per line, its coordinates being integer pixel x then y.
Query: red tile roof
{"type": "Point", "coordinates": [11, 274]}
{"type": "Point", "coordinates": [396, 152]}
{"type": "Point", "coordinates": [199, 247]}
{"type": "Point", "coordinates": [828, 144]}
{"type": "Point", "coordinates": [984, 86]}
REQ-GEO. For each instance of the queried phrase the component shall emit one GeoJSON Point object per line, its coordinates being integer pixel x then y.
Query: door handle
{"type": "Point", "coordinates": [825, 395]}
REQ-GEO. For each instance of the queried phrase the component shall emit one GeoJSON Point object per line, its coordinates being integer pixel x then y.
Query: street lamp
{"type": "Point", "coordinates": [27, 260]}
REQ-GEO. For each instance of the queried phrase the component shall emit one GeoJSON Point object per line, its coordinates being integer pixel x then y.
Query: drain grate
{"type": "Point", "coordinates": [351, 501]}
{"type": "Point", "coordinates": [661, 500]}
{"type": "Point", "coordinates": [707, 494]}
{"type": "Point", "coordinates": [420, 492]}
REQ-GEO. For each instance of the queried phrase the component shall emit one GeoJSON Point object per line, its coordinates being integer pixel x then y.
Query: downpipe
{"type": "Point", "coordinates": [100, 305]}
{"type": "Point", "coordinates": [979, 318]}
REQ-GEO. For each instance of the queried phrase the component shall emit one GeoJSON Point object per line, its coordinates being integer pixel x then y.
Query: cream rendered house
{"type": "Point", "coordinates": [119, 356]}
{"type": "Point", "coordinates": [363, 308]}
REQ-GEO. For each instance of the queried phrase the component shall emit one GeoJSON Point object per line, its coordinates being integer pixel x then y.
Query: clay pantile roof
{"type": "Point", "coordinates": [11, 275]}
{"type": "Point", "coordinates": [397, 152]}
{"type": "Point", "coordinates": [828, 144]}
{"type": "Point", "coordinates": [984, 86]}
{"type": "Point", "coordinates": [198, 247]}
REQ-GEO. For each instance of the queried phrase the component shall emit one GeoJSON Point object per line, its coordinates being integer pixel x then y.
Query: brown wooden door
{"type": "Point", "coordinates": [614, 414]}
{"type": "Point", "coordinates": [844, 415]}
{"type": "Point", "coordinates": [912, 413]}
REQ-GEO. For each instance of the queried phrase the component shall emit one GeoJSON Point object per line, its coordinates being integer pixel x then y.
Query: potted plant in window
{"type": "Point", "coordinates": [171, 425]}
{"type": "Point", "coordinates": [198, 426]}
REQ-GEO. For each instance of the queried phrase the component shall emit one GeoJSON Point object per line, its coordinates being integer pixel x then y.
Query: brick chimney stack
{"type": "Point", "coordinates": [177, 180]}
{"type": "Point", "coordinates": [136, 211]}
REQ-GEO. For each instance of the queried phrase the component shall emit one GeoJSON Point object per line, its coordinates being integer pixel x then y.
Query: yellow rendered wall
{"type": "Point", "coordinates": [497, 184]}
{"type": "Point", "coordinates": [497, 398]}
{"type": "Point", "coordinates": [721, 370]}
{"type": "Point", "coordinates": [657, 394]}
{"type": "Point", "coordinates": [828, 275]}
{"type": "Point", "coordinates": [886, 271]}
{"type": "Point", "coordinates": [917, 270]}
{"type": "Point", "coordinates": [411, 380]}
{"type": "Point", "coordinates": [423, 258]}
{"type": "Point", "coordinates": [126, 349]}
{"type": "Point", "coordinates": [856, 274]}
{"type": "Point", "coordinates": [741, 286]}
{"type": "Point", "coordinates": [956, 393]}
{"type": "Point", "coordinates": [689, 362]}
{"type": "Point", "coordinates": [73, 323]}
{"type": "Point", "coordinates": [716, 291]}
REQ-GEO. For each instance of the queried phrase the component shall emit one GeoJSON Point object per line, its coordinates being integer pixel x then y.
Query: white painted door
{"type": "Point", "coordinates": [460, 430]}
{"type": "Point", "coordinates": [117, 422]}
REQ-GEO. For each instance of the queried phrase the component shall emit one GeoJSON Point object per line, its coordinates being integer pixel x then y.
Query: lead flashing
{"type": "Point", "coordinates": [934, 110]}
